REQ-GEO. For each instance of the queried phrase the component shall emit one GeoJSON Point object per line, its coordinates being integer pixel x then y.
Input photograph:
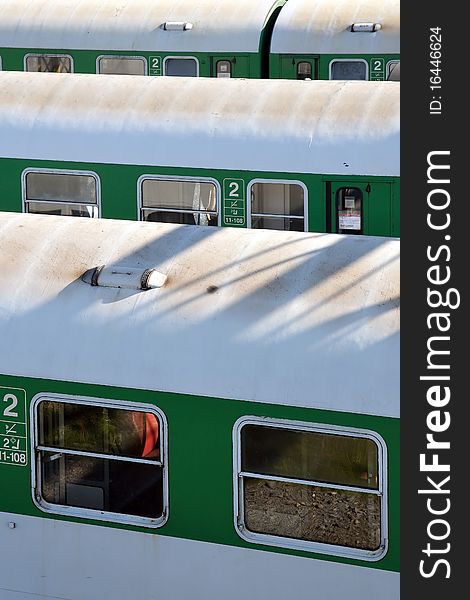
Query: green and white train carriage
{"type": "Point", "coordinates": [197, 412]}
{"type": "Point", "coordinates": [218, 38]}
{"type": "Point", "coordinates": [291, 155]}
{"type": "Point", "coordinates": [311, 39]}
{"type": "Point", "coordinates": [337, 39]}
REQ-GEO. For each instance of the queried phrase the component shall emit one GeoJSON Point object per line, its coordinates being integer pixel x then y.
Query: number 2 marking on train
{"type": "Point", "coordinates": [9, 410]}
{"type": "Point", "coordinates": [377, 65]}
{"type": "Point", "coordinates": [155, 62]}
{"type": "Point", "coordinates": [234, 187]}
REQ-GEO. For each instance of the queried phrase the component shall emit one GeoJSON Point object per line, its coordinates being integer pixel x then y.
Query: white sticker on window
{"type": "Point", "coordinates": [353, 223]}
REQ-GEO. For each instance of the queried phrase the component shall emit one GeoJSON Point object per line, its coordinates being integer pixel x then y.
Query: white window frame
{"type": "Point", "coordinates": [395, 61]}
{"type": "Point", "coordinates": [304, 545]}
{"type": "Point", "coordinates": [178, 57]}
{"type": "Point", "coordinates": [0, 63]}
{"type": "Point", "coordinates": [49, 54]}
{"type": "Point", "coordinates": [60, 172]}
{"type": "Point", "coordinates": [97, 62]}
{"type": "Point", "coordinates": [182, 179]}
{"type": "Point", "coordinates": [89, 513]}
{"type": "Point", "coordinates": [362, 60]}
{"type": "Point", "coordinates": [285, 181]}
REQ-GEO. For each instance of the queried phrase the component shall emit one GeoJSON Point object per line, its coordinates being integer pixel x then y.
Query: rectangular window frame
{"type": "Point", "coordinates": [48, 54]}
{"type": "Point", "coordinates": [183, 179]}
{"type": "Point", "coordinates": [125, 56]}
{"type": "Point", "coordinates": [89, 513]}
{"type": "Point", "coordinates": [284, 181]}
{"type": "Point", "coordinates": [25, 201]}
{"type": "Point", "coordinates": [303, 545]}
{"type": "Point", "coordinates": [172, 56]}
{"type": "Point", "coordinates": [362, 60]}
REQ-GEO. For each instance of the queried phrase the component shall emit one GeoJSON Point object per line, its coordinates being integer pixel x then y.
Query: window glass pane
{"type": "Point", "coordinates": [181, 218]}
{"type": "Point", "coordinates": [277, 199]}
{"type": "Point", "coordinates": [310, 455]}
{"type": "Point", "coordinates": [224, 68]}
{"type": "Point", "coordinates": [188, 195]}
{"type": "Point", "coordinates": [181, 67]}
{"type": "Point", "coordinates": [393, 70]}
{"type": "Point", "coordinates": [49, 64]}
{"type": "Point", "coordinates": [312, 513]}
{"type": "Point", "coordinates": [130, 488]}
{"type": "Point", "coordinates": [348, 69]}
{"type": "Point", "coordinates": [304, 70]}
{"type": "Point", "coordinates": [65, 210]}
{"type": "Point", "coordinates": [99, 429]}
{"type": "Point", "coordinates": [61, 187]}
{"type": "Point", "coordinates": [278, 223]}
{"type": "Point", "coordinates": [349, 205]}
{"type": "Point", "coordinates": [118, 65]}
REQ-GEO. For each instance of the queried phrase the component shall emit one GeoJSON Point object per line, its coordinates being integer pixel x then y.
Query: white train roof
{"type": "Point", "coordinates": [287, 318]}
{"type": "Point", "coordinates": [137, 25]}
{"type": "Point", "coordinates": [259, 125]}
{"type": "Point", "coordinates": [324, 26]}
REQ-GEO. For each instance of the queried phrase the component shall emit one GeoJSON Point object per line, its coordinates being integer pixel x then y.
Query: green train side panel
{"type": "Point", "coordinates": [284, 66]}
{"type": "Point", "coordinates": [84, 61]}
{"type": "Point", "coordinates": [200, 462]}
{"type": "Point", "coordinates": [119, 192]}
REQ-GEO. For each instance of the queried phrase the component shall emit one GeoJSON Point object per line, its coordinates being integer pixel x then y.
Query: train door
{"type": "Point", "coordinates": [299, 67]}
{"type": "Point", "coordinates": [230, 66]}
{"type": "Point", "coordinates": [360, 208]}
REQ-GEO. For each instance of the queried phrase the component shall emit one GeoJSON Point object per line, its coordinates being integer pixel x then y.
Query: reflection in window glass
{"type": "Point", "coordinates": [98, 429]}
{"type": "Point", "coordinates": [277, 206]}
{"type": "Point", "coordinates": [100, 458]}
{"type": "Point", "coordinates": [309, 455]}
{"type": "Point", "coordinates": [311, 513]}
{"type": "Point", "coordinates": [224, 68]}
{"type": "Point", "coordinates": [121, 65]}
{"type": "Point", "coordinates": [349, 69]}
{"type": "Point", "coordinates": [61, 194]}
{"type": "Point", "coordinates": [349, 211]}
{"type": "Point", "coordinates": [65, 210]}
{"type": "Point", "coordinates": [304, 70]}
{"type": "Point", "coordinates": [184, 202]}
{"type": "Point", "coordinates": [181, 67]}
{"type": "Point", "coordinates": [311, 486]}
{"type": "Point", "coordinates": [49, 63]}
{"type": "Point", "coordinates": [393, 70]}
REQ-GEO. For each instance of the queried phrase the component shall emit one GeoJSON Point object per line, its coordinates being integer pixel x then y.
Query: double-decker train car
{"type": "Point", "coordinates": [197, 412]}
{"type": "Point", "coordinates": [337, 39]}
{"type": "Point", "coordinates": [292, 155]}
{"type": "Point", "coordinates": [311, 39]}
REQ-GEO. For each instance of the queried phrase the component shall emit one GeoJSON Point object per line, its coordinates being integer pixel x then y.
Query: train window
{"type": "Point", "coordinates": [393, 70]}
{"type": "Point", "coordinates": [304, 70]}
{"type": "Point", "coordinates": [48, 63]}
{"type": "Point", "coordinates": [60, 193]}
{"type": "Point", "coordinates": [349, 207]}
{"type": "Point", "coordinates": [181, 67]}
{"type": "Point", "coordinates": [224, 68]}
{"type": "Point", "coordinates": [121, 65]}
{"type": "Point", "coordinates": [278, 205]}
{"type": "Point", "coordinates": [348, 69]}
{"type": "Point", "coordinates": [311, 487]}
{"type": "Point", "coordinates": [98, 460]}
{"type": "Point", "coordinates": [174, 201]}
